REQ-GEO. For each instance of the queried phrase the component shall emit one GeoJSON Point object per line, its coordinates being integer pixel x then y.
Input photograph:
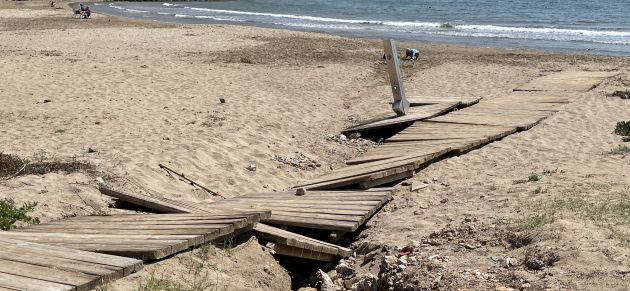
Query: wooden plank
{"type": "Point", "coordinates": [79, 281]}
{"type": "Point", "coordinates": [127, 264]}
{"type": "Point", "coordinates": [430, 100]}
{"type": "Point", "coordinates": [317, 223]}
{"type": "Point", "coordinates": [302, 253]}
{"type": "Point", "coordinates": [32, 266]}
{"type": "Point", "coordinates": [567, 81]}
{"type": "Point", "coordinates": [415, 114]}
{"type": "Point", "coordinates": [191, 239]}
{"type": "Point", "coordinates": [25, 283]}
{"type": "Point", "coordinates": [273, 207]}
{"type": "Point", "coordinates": [143, 200]}
{"type": "Point", "coordinates": [386, 179]}
{"type": "Point", "coordinates": [356, 173]}
{"type": "Point", "coordinates": [141, 251]}
{"type": "Point", "coordinates": [106, 272]}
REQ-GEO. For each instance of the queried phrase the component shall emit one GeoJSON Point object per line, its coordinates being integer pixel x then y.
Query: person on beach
{"type": "Point", "coordinates": [88, 12]}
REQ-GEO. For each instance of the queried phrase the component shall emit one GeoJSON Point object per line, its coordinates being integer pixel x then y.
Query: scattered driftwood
{"type": "Point", "coordinates": [190, 181]}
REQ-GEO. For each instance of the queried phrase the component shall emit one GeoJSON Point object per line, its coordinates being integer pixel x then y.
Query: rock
{"type": "Point", "coordinates": [526, 285]}
{"type": "Point", "coordinates": [222, 100]}
{"type": "Point", "coordinates": [444, 200]}
{"type": "Point", "coordinates": [445, 184]}
{"type": "Point", "coordinates": [343, 137]}
{"type": "Point", "coordinates": [402, 260]}
{"type": "Point", "coordinates": [469, 246]}
{"type": "Point", "coordinates": [47, 101]}
{"type": "Point", "coordinates": [100, 180]}
{"type": "Point", "coordinates": [332, 274]}
{"type": "Point", "coordinates": [91, 150]}
{"type": "Point", "coordinates": [625, 138]}
{"type": "Point", "coordinates": [347, 284]}
{"type": "Point", "coordinates": [327, 283]}
{"type": "Point", "coordinates": [435, 178]}
{"type": "Point", "coordinates": [389, 260]}
{"type": "Point", "coordinates": [413, 260]}
{"type": "Point", "coordinates": [365, 283]}
{"type": "Point", "coordinates": [343, 269]}
{"type": "Point", "coordinates": [508, 262]}
{"type": "Point", "coordinates": [418, 212]}
{"type": "Point", "coordinates": [355, 135]}
{"type": "Point", "coordinates": [406, 183]}
{"type": "Point", "coordinates": [251, 167]}
{"type": "Point", "coordinates": [402, 267]}
{"type": "Point", "coordinates": [415, 186]}
{"type": "Point", "coordinates": [407, 249]}
{"type": "Point", "coordinates": [300, 191]}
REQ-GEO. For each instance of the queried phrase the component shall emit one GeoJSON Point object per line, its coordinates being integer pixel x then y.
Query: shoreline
{"type": "Point", "coordinates": [542, 45]}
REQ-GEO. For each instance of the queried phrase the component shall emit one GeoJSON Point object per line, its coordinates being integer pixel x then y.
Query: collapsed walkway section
{"type": "Point", "coordinates": [335, 211]}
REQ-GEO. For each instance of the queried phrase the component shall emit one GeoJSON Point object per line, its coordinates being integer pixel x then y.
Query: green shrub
{"type": "Point", "coordinates": [10, 214]}
{"type": "Point", "coordinates": [623, 128]}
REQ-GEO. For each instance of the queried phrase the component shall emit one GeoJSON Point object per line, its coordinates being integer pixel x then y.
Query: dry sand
{"type": "Point", "coordinates": [143, 93]}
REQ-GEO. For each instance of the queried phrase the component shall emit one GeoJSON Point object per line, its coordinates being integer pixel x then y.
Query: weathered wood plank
{"type": "Point", "coordinates": [415, 114]}
{"type": "Point", "coordinates": [567, 81]}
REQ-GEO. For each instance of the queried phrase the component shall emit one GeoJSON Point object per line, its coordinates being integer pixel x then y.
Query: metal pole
{"type": "Point", "coordinates": [400, 105]}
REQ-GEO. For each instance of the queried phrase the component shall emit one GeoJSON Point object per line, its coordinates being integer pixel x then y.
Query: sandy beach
{"type": "Point", "coordinates": [125, 95]}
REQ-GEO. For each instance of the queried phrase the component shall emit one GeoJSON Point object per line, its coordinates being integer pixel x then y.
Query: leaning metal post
{"type": "Point", "coordinates": [400, 105]}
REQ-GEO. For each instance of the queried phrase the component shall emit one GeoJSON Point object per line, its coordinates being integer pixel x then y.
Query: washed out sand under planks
{"type": "Point", "coordinates": [459, 131]}
{"type": "Point", "coordinates": [283, 242]}
{"type": "Point", "coordinates": [139, 236]}
{"type": "Point", "coordinates": [34, 266]}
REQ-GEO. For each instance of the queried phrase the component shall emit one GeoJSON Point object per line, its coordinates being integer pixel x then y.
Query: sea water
{"type": "Point", "coordinates": [582, 26]}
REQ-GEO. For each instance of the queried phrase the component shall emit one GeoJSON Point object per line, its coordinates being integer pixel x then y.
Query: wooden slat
{"type": "Point", "coordinates": [430, 100]}
{"type": "Point", "coordinates": [27, 283]}
{"type": "Point", "coordinates": [79, 281]}
{"type": "Point", "coordinates": [415, 114]}
{"type": "Point", "coordinates": [32, 266]}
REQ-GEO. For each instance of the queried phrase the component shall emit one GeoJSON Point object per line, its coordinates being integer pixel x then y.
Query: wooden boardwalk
{"type": "Point", "coordinates": [580, 81]}
{"type": "Point", "coordinates": [343, 211]}
{"type": "Point", "coordinates": [140, 236]}
{"type": "Point", "coordinates": [284, 242]}
{"type": "Point", "coordinates": [430, 139]}
{"type": "Point", "coordinates": [33, 266]}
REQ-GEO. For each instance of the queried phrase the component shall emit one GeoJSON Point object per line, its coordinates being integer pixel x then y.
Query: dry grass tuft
{"type": "Point", "coordinates": [12, 166]}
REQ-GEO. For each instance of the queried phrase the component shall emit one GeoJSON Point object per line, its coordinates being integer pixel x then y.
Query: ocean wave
{"type": "Point", "coordinates": [135, 11]}
{"type": "Point", "coordinates": [291, 16]}
{"type": "Point", "coordinates": [218, 18]}
{"type": "Point", "coordinates": [169, 4]}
